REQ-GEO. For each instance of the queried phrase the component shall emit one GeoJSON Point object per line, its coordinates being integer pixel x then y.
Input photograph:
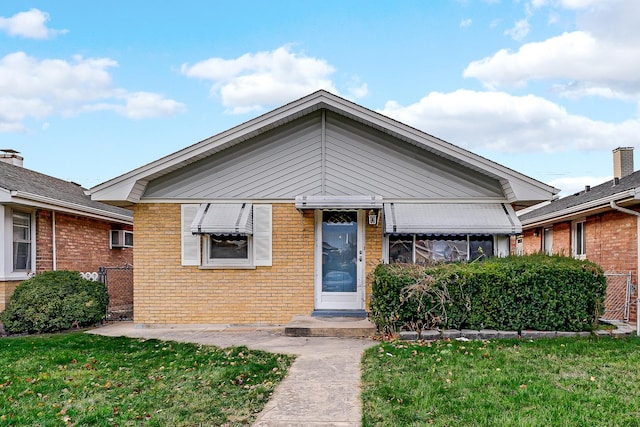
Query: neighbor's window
{"type": "Point", "coordinates": [21, 241]}
{"type": "Point", "coordinates": [579, 240]}
{"type": "Point", "coordinates": [428, 249]}
{"type": "Point", "coordinates": [547, 240]}
{"type": "Point", "coordinates": [228, 250]}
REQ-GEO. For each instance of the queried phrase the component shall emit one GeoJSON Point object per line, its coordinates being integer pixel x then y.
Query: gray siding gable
{"type": "Point", "coordinates": [323, 153]}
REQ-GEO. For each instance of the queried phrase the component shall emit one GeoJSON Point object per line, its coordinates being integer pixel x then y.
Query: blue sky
{"type": "Point", "coordinates": [91, 90]}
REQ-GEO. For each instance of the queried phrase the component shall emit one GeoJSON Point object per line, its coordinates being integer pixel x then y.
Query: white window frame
{"type": "Point", "coordinates": [547, 233]}
{"type": "Point", "coordinates": [29, 240]}
{"type": "Point", "coordinates": [7, 271]}
{"type": "Point", "coordinates": [579, 245]}
{"type": "Point", "coordinates": [208, 261]}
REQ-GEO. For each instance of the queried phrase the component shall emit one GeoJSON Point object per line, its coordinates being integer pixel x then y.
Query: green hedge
{"type": "Point", "coordinates": [53, 301]}
{"type": "Point", "coordinates": [533, 292]}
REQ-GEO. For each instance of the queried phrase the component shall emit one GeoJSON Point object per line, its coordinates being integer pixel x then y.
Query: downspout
{"type": "Point", "coordinates": [614, 206]}
{"type": "Point", "coordinates": [53, 240]}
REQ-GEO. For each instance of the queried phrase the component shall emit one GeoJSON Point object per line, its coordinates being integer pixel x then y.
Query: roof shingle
{"type": "Point", "coordinates": [16, 178]}
{"type": "Point", "coordinates": [600, 191]}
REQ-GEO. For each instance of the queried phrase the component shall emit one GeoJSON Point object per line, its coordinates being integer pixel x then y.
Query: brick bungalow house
{"type": "Point", "coordinates": [599, 224]}
{"type": "Point", "coordinates": [288, 213]}
{"type": "Point", "coordinates": [51, 224]}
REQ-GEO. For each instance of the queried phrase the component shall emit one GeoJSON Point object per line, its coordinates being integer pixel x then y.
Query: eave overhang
{"type": "Point", "coordinates": [43, 202]}
{"type": "Point", "coordinates": [584, 209]}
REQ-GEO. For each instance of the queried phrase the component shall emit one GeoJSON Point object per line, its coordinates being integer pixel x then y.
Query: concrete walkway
{"type": "Point", "coordinates": [322, 387]}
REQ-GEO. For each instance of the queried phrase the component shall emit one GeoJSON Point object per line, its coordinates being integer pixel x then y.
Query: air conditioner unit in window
{"type": "Point", "coordinates": [121, 239]}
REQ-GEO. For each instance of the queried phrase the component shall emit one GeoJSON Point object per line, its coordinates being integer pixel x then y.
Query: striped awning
{"type": "Point", "coordinates": [450, 218]}
{"type": "Point", "coordinates": [223, 218]}
{"type": "Point", "coordinates": [339, 202]}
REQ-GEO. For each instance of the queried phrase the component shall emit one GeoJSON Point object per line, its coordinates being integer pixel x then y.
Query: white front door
{"type": "Point", "coordinates": [339, 252]}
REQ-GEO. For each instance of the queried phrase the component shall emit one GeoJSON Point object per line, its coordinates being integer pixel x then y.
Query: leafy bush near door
{"type": "Point", "coordinates": [536, 292]}
{"type": "Point", "coordinates": [53, 301]}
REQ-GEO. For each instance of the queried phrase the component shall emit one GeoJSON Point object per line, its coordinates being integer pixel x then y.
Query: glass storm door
{"type": "Point", "coordinates": [339, 260]}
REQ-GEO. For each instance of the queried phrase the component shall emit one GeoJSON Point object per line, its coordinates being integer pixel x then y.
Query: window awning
{"type": "Point", "coordinates": [450, 218]}
{"type": "Point", "coordinates": [223, 218]}
{"type": "Point", "coordinates": [339, 202]}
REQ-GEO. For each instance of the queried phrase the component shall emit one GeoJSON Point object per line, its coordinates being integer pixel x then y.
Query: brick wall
{"type": "Point", "coordinates": [167, 292]}
{"type": "Point", "coordinates": [562, 238]}
{"type": "Point", "coordinates": [373, 251]}
{"type": "Point", "coordinates": [612, 243]}
{"type": "Point", "coordinates": [6, 290]}
{"type": "Point", "coordinates": [532, 241]}
{"type": "Point", "coordinates": [82, 244]}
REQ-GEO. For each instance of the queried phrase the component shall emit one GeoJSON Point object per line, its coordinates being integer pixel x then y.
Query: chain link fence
{"type": "Point", "coordinates": [617, 301]}
{"type": "Point", "coordinates": [119, 282]}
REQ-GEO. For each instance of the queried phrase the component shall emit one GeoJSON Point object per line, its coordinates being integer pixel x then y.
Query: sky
{"type": "Point", "coordinates": [92, 90]}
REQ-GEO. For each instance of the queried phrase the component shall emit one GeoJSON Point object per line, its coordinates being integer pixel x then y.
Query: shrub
{"type": "Point", "coordinates": [54, 301]}
{"type": "Point", "coordinates": [388, 309]}
{"type": "Point", "coordinates": [536, 292]}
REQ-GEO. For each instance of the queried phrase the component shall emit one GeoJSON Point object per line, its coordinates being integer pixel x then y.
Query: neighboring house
{"type": "Point", "coordinates": [51, 224]}
{"type": "Point", "coordinates": [599, 224]}
{"type": "Point", "coordinates": [288, 213]}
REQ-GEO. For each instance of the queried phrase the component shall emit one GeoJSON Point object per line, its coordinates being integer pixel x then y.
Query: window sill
{"type": "Point", "coordinates": [15, 276]}
{"type": "Point", "coordinates": [227, 267]}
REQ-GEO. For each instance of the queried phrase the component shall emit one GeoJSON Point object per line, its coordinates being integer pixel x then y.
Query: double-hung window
{"type": "Point", "coordinates": [21, 241]}
{"type": "Point", "coordinates": [579, 246]}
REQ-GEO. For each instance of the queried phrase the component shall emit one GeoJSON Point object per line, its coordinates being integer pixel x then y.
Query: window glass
{"type": "Point", "coordinates": [401, 249]}
{"type": "Point", "coordinates": [128, 239]}
{"type": "Point", "coordinates": [581, 241]}
{"type": "Point", "coordinates": [21, 241]}
{"type": "Point", "coordinates": [480, 247]}
{"type": "Point", "coordinates": [430, 249]}
{"type": "Point", "coordinates": [228, 247]}
{"type": "Point", "coordinates": [339, 251]}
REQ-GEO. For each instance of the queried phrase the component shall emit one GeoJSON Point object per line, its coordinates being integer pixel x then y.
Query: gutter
{"type": "Point", "coordinates": [73, 208]}
{"type": "Point", "coordinates": [614, 206]}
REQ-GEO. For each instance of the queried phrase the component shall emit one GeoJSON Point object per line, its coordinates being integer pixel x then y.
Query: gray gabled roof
{"type": "Point", "coordinates": [130, 187]}
{"type": "Point", "coordinates": [596, 197]}
{"type": "Point", "coordinates": [25, 186]}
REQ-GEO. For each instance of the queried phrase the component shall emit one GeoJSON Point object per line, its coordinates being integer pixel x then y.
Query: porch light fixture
{"type": "Point", "coordinates": [373, 217]}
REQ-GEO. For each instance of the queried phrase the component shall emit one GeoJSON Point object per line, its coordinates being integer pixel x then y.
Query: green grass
{"type": "Point", "coordinates": [545, 382]}
{"type": "Point", "coordinates": [79, 379]}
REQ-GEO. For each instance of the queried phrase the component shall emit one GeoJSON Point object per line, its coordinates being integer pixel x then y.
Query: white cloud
{"type": "Point", "coordinates": [572, 185]}
{"type": "Point", "coordinates": [144, 105]}
{"type": "Point", "coordinates": [358, 91]}
{"type": "Point", "coordinates": [39, 88]}
{"type": "Point", "coordinates": [31, 25]}
{"type": "Point", "coordinates": [602, 57]}
{"type": "Point", "coordinates": [501, 122]}
{"type": "Point", "coordinates": [255, 80]}
{"type": "Point", "coordinates": [519, 31]}
{"type": "Point", "coordinates": [465, 23]}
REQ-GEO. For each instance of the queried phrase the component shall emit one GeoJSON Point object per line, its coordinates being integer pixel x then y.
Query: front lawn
{"type": "Point", "coordinates": [545, 382]}
{"type": "Point", "coordinates": [79, 379]}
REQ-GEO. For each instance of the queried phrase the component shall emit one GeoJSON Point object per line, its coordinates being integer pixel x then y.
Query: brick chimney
{"type": "Point", "coordinates": [7, 155]}
{"type": "Point", "coordinates": [622, 162]}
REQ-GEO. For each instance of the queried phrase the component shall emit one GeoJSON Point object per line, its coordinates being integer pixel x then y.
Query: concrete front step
{"type": "Point", "coordinates": [327, 326]}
